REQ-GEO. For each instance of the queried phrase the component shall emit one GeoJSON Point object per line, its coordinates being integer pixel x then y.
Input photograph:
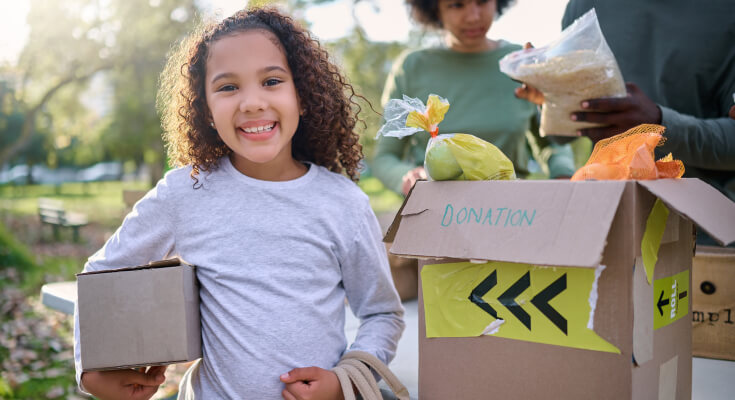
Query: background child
{"type": "Point", "coordinates": [264, 126]}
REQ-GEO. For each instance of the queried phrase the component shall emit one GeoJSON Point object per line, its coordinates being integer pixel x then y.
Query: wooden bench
{"type": "Point", "coordinates": [52, 212]}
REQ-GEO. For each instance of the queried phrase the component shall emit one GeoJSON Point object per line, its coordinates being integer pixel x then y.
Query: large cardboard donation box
{"type": "Point", "coordinates": [556, 289]}
{"type": "Point", "coordinates": [139, 316]}
{"type": "Point", "coordinates": [713, 302]}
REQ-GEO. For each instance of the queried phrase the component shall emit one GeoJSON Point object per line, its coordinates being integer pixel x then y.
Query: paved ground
{"type": "Point", "coordinates": [711, 379]}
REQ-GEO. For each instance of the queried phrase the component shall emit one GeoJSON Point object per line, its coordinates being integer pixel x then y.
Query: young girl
{"type": "Point", "coordinates": [262, 122]}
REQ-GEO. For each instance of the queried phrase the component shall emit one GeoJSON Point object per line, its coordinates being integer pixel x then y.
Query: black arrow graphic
{"type": "Point", "coordinates": [541, 301]}
{"type": "Point", "coordinates": [508, 299]}
{"type": "Point", "coordinates": [661, 302]}
{"type": "Point", "coordinates": [481, 289]}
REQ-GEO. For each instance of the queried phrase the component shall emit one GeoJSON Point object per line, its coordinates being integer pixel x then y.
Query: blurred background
{"type": "Point", "coordinates": [80, 135]}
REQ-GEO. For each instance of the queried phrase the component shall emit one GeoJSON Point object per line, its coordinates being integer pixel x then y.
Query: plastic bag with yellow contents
{"type": "Point", "coordinates": [454, 156]}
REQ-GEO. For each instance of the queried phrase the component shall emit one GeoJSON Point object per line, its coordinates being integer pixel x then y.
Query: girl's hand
{"type": "Point", "coordinates": [124, 384]}
{"type": "Point", "coordinates": [411, 177]}
{"type": "Point", "coordinates": [529, 93]}
{"type": "Point", "coordinates": [312, 383]}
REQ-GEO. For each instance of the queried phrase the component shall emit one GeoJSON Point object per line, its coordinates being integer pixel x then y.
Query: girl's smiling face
{"type": "Point", "coordinates": [254, 104]}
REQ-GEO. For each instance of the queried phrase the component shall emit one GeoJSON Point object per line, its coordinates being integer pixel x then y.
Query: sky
{"type": "Point", "coordinates": [535, 21]}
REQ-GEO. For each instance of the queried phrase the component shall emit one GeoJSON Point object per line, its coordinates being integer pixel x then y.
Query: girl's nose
{"type": "Point", "coordinates": [473, 11]}
{"type": "Point", "coordinates": [252, 101]}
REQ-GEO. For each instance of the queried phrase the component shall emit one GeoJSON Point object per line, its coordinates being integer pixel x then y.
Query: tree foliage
{"type": "Point", "coordinates": [122, 44]}
{"type": "Point", "coordinates": [366, 65]}
{"type": "Point", "coordinates": [62, 49]}
{"type": "Point", "coordinates": [133, 130]}
{"type": "Point", "coordinates": [84, 87]}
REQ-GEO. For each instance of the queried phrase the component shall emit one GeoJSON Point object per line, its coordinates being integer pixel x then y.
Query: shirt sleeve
{"type": "Point", "coordinates": [561, 161]}
{"type": "Point", "coordinates": [145, 235]}
{"type": "Point", "coordinates": [702, 143]}
{"type": "Point", "coordinates": [574, 10]}
{"type": "Point", "coordinates": [389, 165]}
{"type": "Point", "coordinates": [370, 291]}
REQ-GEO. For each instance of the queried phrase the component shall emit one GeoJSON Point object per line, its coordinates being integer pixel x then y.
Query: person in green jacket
{"type": "Point", "coordinates": [679, 60]}
{"type": "Point", "coordinates": [464, 71]}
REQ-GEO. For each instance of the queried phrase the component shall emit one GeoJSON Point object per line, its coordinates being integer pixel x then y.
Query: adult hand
{"type": "Point", "coordinates": [732, 112]}
{"type": "Point", "coordinates": [617, 114]}
{"type": "Point", "coordinates": [411, 177]}
{"type": "Point", "coordinates": [311, 383]}
{"type": "Point", "coordinates": [526, 92]}
{"type": "Point", "coordinates": [124, 384]}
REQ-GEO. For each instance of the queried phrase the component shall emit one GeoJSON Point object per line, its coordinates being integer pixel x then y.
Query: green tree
{"type": "Point", "coordinates": [366, 64]}
{"type": "Point", "coordinates": [123, 45]}
{"type": "Point", "coordinates": [149, 28]}
{"type": "Point", "coordinates": [63, 48]}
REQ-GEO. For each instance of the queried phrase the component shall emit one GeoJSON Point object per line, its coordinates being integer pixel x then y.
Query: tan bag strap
{"type": "Point", "coordinates": [355, 367]}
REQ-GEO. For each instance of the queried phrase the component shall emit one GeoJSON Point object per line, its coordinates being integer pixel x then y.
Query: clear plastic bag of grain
{"type": "Point", "coordinates": [577, 66]}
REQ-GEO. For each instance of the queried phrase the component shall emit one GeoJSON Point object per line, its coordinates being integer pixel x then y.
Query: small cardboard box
{"type": "Point", "coordinates": [139, 316]}
{"type": "Point", "coordinates": [556, 289]}
{"type": "Point", "coordinates": [713, 302]}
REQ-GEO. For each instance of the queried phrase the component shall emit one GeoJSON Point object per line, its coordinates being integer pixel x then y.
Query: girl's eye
{"type": "Point", "coordinates": [226, 88]}
{"type": "Point", "coordinates": [455, 4]}
{"type": "Point", "coordinates": [272, 82]}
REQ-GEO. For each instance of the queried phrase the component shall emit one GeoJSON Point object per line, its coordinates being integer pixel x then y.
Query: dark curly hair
{"type": "Point", "coordinates": [426, 12]}
{"type": "Point", "coordinates": [325, 135]}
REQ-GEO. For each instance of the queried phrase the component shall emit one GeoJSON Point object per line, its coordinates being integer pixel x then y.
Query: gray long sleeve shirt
{"type": "Point", "coordinates": [275, 262]}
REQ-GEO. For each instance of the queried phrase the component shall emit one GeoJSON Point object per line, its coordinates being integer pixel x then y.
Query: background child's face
{"type": "Point", "coordinates": [252, 99]}
{"type": "Point", "coordinates": [467, 21]}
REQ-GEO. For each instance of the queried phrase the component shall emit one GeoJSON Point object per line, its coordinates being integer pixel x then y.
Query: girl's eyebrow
{"type": "Point", "coordinates": [262, 70]}
{"type": "Point", "coordinates": [221, 76]}
{"type": "Point", "coordinates": [274, 68]}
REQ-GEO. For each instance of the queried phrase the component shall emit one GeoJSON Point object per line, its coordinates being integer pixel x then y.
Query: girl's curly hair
{"type": "Point", "coordinates": [325, 135]}
{"type": "Point", "coordinates": [426, 12]}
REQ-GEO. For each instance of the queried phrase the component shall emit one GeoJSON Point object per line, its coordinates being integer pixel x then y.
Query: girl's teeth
{"type": "Point", "coordinates": [259, 129]}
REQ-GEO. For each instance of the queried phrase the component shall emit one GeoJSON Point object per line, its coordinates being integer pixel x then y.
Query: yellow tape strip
{"type": "Point", "coordinates": [535, 304]}
{"type": "Point", "coordinates": [655, 226]}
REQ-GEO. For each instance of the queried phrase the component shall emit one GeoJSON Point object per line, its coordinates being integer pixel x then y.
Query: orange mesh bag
{"type": "Point", "coordinates": [630, 155]}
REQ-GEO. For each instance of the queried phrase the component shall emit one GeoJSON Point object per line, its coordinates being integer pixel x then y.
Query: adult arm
{"type": "Point", "coordinates": [703, 143]}
{"type": "Point", "coordinates": [145, 235]}
{"type": "Point", "coordinates": [707, 143]}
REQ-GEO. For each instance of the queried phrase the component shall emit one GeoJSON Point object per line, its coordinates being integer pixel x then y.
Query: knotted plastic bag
{"type": "Point", "coordinates": [454, 156]}
{"type": "Point", "coordinates": [630, 155]}
{"type": "Point", "coordinates": [577, 66]}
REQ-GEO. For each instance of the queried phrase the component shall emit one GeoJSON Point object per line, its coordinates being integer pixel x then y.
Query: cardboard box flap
{"type": "Point", "coordinates": [537, 222]}
{"type": "Point", "coordinates": [390, 234]}
{"type": "Point", "coordinates": [701, 203]}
